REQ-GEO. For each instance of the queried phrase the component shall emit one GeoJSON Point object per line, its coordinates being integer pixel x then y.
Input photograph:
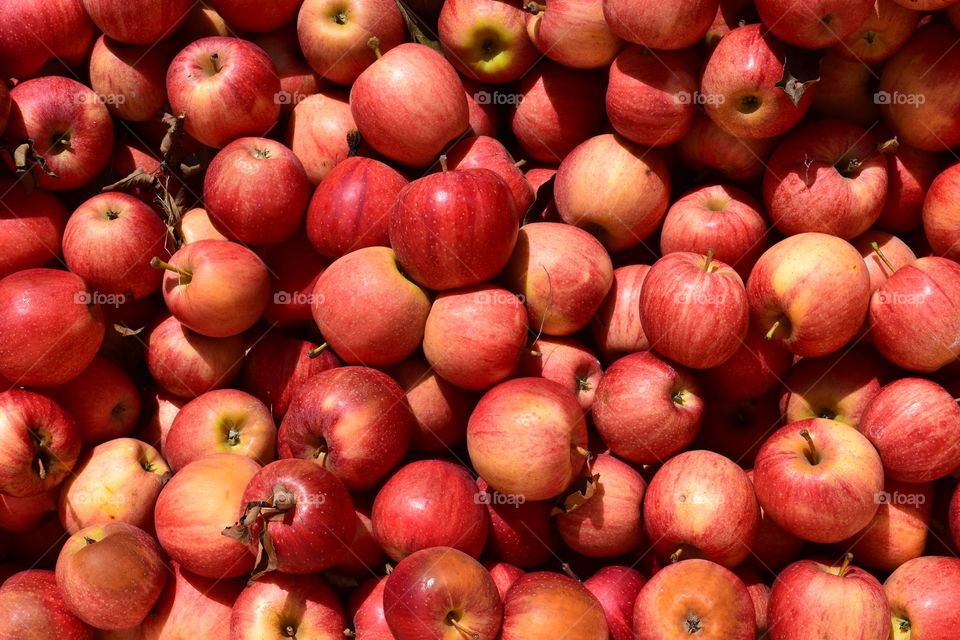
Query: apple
{"type": "Point", "coordinates": [103, 400]}
{"type": "Point", "coordinates": [504, 575]}
{"type": "Point", "coordinates": [816, 24]}
{"type": "Point", "coordinates": [143, 23]}
{"type": "Point", "coordinates": [953, 13]}
{"type": "Point", "coordinates": [926, 5]}
{"type": "Point", "coordinates": [474, 337]}
{"type": "Point", "coordinates": [740, 79]}
{"type": "Point", "coordinates": [159, 410]}
{"type": "Point", "coordinates": [898, 531]}
{"type": "Point", "coordinates": [810, 293]}
{"type": "Point", "coordinates": [187, 364]}
{"type": "Point", "coordinates": [486, 152]}
{"type": "Point", "coordinates": [31, 227]}
{"type": "Point", "coordinates": [130, 80]}
{"type": "Point", "coordinates": [910, 172]}
{"type": "Point", "coordinates": [487, 40]}
{"type": "Point", "coordinates": [256, 192]}
{"type": "Point", "coordinates": [297, 79]}
{"type": "Point", "coordinates": [484, 115]}
{"type": "Point", "coordinates": [22, 515]}
{"type": "Point", "coordinates": [218, 289]}
{"type": "Point", "coordinates": [710, 149]}
{"type": "Point", "coordinates": [920, 592]}
{"type": "Point", "coordinates": [890, 254]}
{"type": "Point", "coordinates": [527, 438]}
{"type": "Point", "coordinates": [575, 34]}
{"type": "Point", "coordinates": [249, 15]}
{"type": "Point", "coordinates": [886, 29]}
{"type": "Point", "coordinates": [111, 575]}
{"type": "Point", "coordinates": [366, 603]}
{"type": "Point", "coordinates": [390, 106]}
{"type": "Point", "coordinates": [838, 387]}
{"type": "Point", "coordinates": [918, 301]}
{"type": "Point", "coordinates": [521, 531]}
{"type": "Point", "coordinates": [117, 481]}
{"type": "Point", "coordinates": [195, 506]}
{"type": "Point", "coordinates": [39, 546]}
{"type": "Point", "coordinates": [539, 177]}
{"type": "Point", "coordinates": [294, 268]}
{"type": "Point", "coordinates": [819, 479]}
{"type": "Point", "coordinates": [616, 327]}
{"type": "Point", "coordinates": [660, 25]}
{"type": "Point", "coordinates": [70, 128]}
{"type": "Point", "coordinates": [694, 598]}
{"type": "Point", "coordinates": [760, 594]}
{"type": "Point", "coordinates": [940, 221]}
{"type": "Point", "coordinates": [109, 241]}
{"type": "Point", "coordinates": [195, 225]}
{"type": "Point", "coordinates": [757, 367]}
{"type": "Point", "coordinates": [441, 592]}
{"type": "Point", "coordinates": [811, 598]}
{"type": "Point", "coordinates": [67, 36]}
{"type": "Point", "coordinates": [846, 91]}
{"type": "Point", "coordinates": [191, 605]}
{"type": "Point", "coordinates": [736, 428]}
{"type": "Point", "coordinates": [646, 409]}
{"type": "Point", "coordinates": [567, 362]}
{"type": "Point", "coordinates": [363, 552]}
{"type": "Point", "coordinates": [545, 605]}
{"type": "Point", "coordinates": [227, 87]}
{"type": "Point", "coordinates": [317, 132]}
{"type": "Point", "coordinates": [351, 208]}
{"type": "Point", "coordinates": [285, 606]}
{"type": "Point", "coordinates": [617, 587]}
{"type": "Point", "coordinates": [32, 606]}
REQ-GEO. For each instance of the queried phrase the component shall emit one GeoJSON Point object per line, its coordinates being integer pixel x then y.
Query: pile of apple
{"type": "Point", "coordinates": [480, 319]}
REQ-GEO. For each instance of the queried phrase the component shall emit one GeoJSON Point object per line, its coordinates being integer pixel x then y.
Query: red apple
{"type": "Point", "coordinates": [504, 575]}
{"type": "Point", "coordinates": [440, 409]}
{"type": "Point", "coordinates": [617, 587]}
{"type": "Point", "coordinates": [760, 594]}
{"type": "Point", "coordinates": [191, 605]}
{"type": "Point", "coordinates": [32, 606]}
{"type": "Point", "coordinates": [143, 23]}
{"type": "Point", "coordinates": [567, 362]}
{"type": "Point", "coordinates": [363, 552]}
{"type": "Point", "coordinates": [31, 227]}
{"type": "Point", "coordinates": [283, 606]}
{"type": "Point", "coordinates": [186, 363]}
{"type": "Point", "coordinates": [910, 172]}
{"type": "Point", "coordinates": [160, 408]}
{"type": "Point", "coordinates": [940, 219]}
{"type": "Point", "coordinates": [846, 91]}
{"type": "Point", "coordinates": [487, 40]}
{"type": "Point", "coordinates": [22, 515]}
{"type": "Point", "coordinates": [773, 547]}
{"type": "Point", "coordinates": [546, 605]}
{"type": "Point", "coordinates": [484, 120]}
{"type": "Point", "coordinates": [250, 15]}
{"type": "Point", "coordinates": [575, 34]}
{"type": "Point", "coordinates": [815, 24]}
{"type": "Point", "coordinates": [521, 531]}
{"type": "Point", "coordinates": [486, 152]}
{"type": "Point", "coordinates": [898, 531]}
{"type": "Point", "coordinates": [736, 428]}
{"type": "Point", "coordinates": [838, 387]}
{"type": "Point", "coordinates": [103, 400]}
{"type": "Point", "coordinates": [890, 251]}
{"type": "Point", "coordinates": [757, 367]}
{"type": "Point", "coordinates": [709, 148]}
{"type": "Point", "coordinates": [131, 80]}
{"type": "Point", "coordinates": [616, 328]}
{"type": "Point", "coordinates": [317, 132]}
{"type": "Point", "coordinates": [67, 36]}
{"type": "Point", "coordinates": [294, 268]}
{"type": "Point", "coordinates": [297, 80]}
{"type": "Point", "coordinates": [195, 225]}
{"type": "Point", "coordinates": [923, 594]}
{"type": "Point", "coordinates": [886, 29]}
{"type": "Point", "coordinates": [367, 604]}
{"type": "Point", "coordinates": [660, 25]}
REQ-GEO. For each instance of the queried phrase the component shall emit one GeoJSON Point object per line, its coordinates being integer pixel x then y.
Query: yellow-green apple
{"type": "Point", "coordinates": [521, 531]}
{"type": "Point", "coordinates": [131, 80]}
{"type": "Point", "coordinates": [256, 192]}
{"type": "Point", "coordinates": [810, 293]}
{"type": "Point", "coordinates": [886, 29]}
{"type": "Point", "coordinates": [191, 605]}
{"type": "Point", "coordinates": [334, 35]}
{"type": "Point", "coordinates": [575, 34]}
{"type": "Point", "coordinates": [117, 481]}
{"type": "Point", "coordinates": [195, 225]}
{"type": "Point", "coordinates": [826, 177]}
{"type": "Point", "coordinates": [760, 594]}
{"type": "Point", "coordinates": [608, 523]}
{"type": "Point", "coordinates": [440, 409]}
{"type": "Point", "coordinates": [717, 217]}
{"type": "Point", "coordinates": [838, 387]}
{"type": "Point", "coordinates": [406, 517]}
{"type": "Point", "coordinates": [941, 222]}
{"type": "Point", "coordinates": [914, 424]}
{"type": "Point", "coordinates": [142, 23]}
{"type": "Point", "coordinates": [647, 409]}
{"type": "Point", "coordinates": [474, 337]}
{"type": "Point", "coordinates": [486, 40]}
{"type": "Point", "coordinates": [913, 315]}
{"type": "Point", "coordinates": [504, 575]}
{"type": "Point", "coordinates": [910, 172]}
{"type": "Point", "coordinates": [363, 552]}
{"type": "Point", "coordinates": [819, 479]}
{"type": "Point", "coordinates": [923, 597]}
{"type": "Point", "coordinates": [350, 209]}
{"type": "Point", "coordinates": [32, 607]}
{"type": "Point", "coordinates": [693, 309]}
{"type": "Point", "coordinates": [736, 428]}
{"type": "Point", "coordinates": [297, 79]}
{"type": "Point", "coordinates": [758, 366]}
{"type": "Point", "coordinates": [740, 79]}
{"type": "Point", "coordinates": [250, 15]}
{"type": "Point", "coordinates": [109, 240]}
{"type": "Point", "coordinates": [441, 594]}
{"type": "Point", "coordinates": [709, 148]}
{"type": "Point", "coordinates": [285, 606]}
{"type": "Point", "coordinates": [484, 115]}
{"type": "Point", "coordinates": [67, 36]}
{"type": "Point", "coordinates": [545, 605]}
{"type": "Point", "coordinates": [556, 109]}
{"type": "Point", "coordinates": [69, 126]}
{"type": "Point", "coordinates": [410, 104]}
{"type": "Point", "coordinates": [527, 437]}
{"type": "Point", "coordinates": [915, 94]}
{"type": "Point", "coordinates": [111, 575]}
{"type": "Point", "coordinates": [659, 25]}
{"type": "Point", "coordinates": [815, 24]}
{"type": "Point", "coordinates": [341, 308]}
{"type": "Point", "coordinates": [365, 607]}
{"type": "Point", "coordinates": [846, 91]}
{"type": "Point", "coordinates": [297, 518]}
{"type": "Point", "coordinates": [489, 153]}
{"type": "Point", "coordinates": [159, 410]}
{"type": "Point", "coordinates": [193, 509]}
{"type": "Point", "coordinates": [773, 547]}
{"type": "Point", "coordinates": [20, 515]}
{"type": "Point", "coordinates": [455, 228]}
{"type": "Point", "coordinates": [186, 363]}
{"type": "Point", "coordinates": [567, 362]}
{"type": "Point", "coordinates": [215, 288]}
{"type": "Point", "coordinates": [562, 294]}
{"type": "Point", "coordinates": [695, 598]}
{"type": "Point", "coordinates": [617, 587]}
{"type": "Point", "coordinates": [103, 400]}
{"type": "Point", "coordinates": [616, 327]}
{"type": "Point", "coordinates": [221, 421]}
{"type": "Point", "coordinates": [317, 132]}
{"type": "Point", "coordinates": [825, 599]}
{"type": "Point", "coordinates": [31, 227]}
{"type": "Point", "coordinates": [41, 443]}
{"type": "Point", "coordinates": [352, 421]}
{"type": "Point", "coordinates": [898, 531]}
{"type": "Point", "coordinates": [226, 87]}
{"type": "Point", "coordinates": [294, 268]}
{"type": "Point", "coordinates": [882, 261]}
{"type": "Point", "coordinates": [614, 189]}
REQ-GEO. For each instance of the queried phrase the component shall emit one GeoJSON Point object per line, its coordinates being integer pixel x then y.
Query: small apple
{"type": "Point", "coordinates": [250, 15]}
{"type": "Point", "coordinates": [67, 36]}
{"type": "Point", "coordinates": [31, 227]}
{"type": "Point", "coordinates": [575, 34]}
{"type": "Point", "coordinates": [898, 531]}
{"type": "Point", "coordinates": [521, 531]}
{"type": "Point", "coordinates": [188, 364]}
{"type": "Point", "coordinates": [616, 328]}
{"type": "Point", "coordinates": [923, 594]}
{"type": "Point", "coordinates": [886, 29]}
{"type": "Point", "coordinates": [711, 149]}
{"type": "Point", "coordinates": [839, 387]}
{"type": "Point", "coordinates": [816, 24]}
{"type": "Point", "coordinates": [131, 80]}
{"type": "Point", "coordinates": [143, 23]}
{"type": "Point", "coordinates": [287, 606]}
{"type": "Point", "coordinates": [617, 587]}
{"type": "Point", "coordinates": [317, 132]}
{"type": "Point", "coordinates": [191, 605]}
{"type": "Point", "coordinates": [940, 220]}
{"type": "Point", "coordinates": [567, 362]}
{"type": "Point", "coordinates": [487, 40]}
{"type": "Point", "coordinates": [104, 400]}
{"type": "Point", "coordinates": [660, 25]}
{"type": "Point", "coordinates": [440, 409]}
{"type": "Point", "coordinates": [31, 605]}
{"type": "Point", "coordinates": [531, 606]}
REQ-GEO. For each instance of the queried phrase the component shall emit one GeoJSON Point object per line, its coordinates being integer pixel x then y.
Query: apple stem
{"type": "Point", "coordinates": [583, 452]}
{"type": "Point", "coordinates": [316, 351]}
{"type": "Point", "coordinates": [443, 163]}
{"type": "Point", "coordinates": [157, 263]}
{"type": "Point", "coordinates": [706, 265]}
{"type": "Point", "coordinates": [847, 559]}
{"type": "Point", "coordinates": [374, 44]}
{"type": "Point", "coordinates": [889, 146]}
{"type": "Point", "coordinates": [520, 163]}
{"type": "Point", "coordinates": [772, 331]}
{"type": "Point", "coordinates": [813, 456]}
{"type": "Point", "coordinates": [675, 556]}
{"type": "Point", "coordinates": [41, 468]}
{"type": "Point", "coordinates": [536, 354]}
{"type": "Point", "coordinates": [876, 249]}
{"type": "Point", "coordinates": [470, 633]}
{"type": "Point", "coordinates": [569, 571]}
{"type": "Point", "coordinates": [534, 7]}
{"type": "Point", "coordinates": [349, 633]}
{"type": "Point", "coordinates": [215, 60]}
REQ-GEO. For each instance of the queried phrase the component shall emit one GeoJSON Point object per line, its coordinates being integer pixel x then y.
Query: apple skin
{"type": "Point", "coordinates": [658, 25]}
{"type": "Point", "coordinates": [142, 23]}
{"type": "Point", "coordinates": [914, 424]}
{"type": "Point", "coordinates": [923, 597]}
{"type": "Point", "coordinates": [404, 520]}
{"type": "Point", "coordinates": [774, 547]}
{"type": "Point", "coordinates": [926, 66]}
{"type": "Point", "coordinates": [366, 603]}
{"type": "Point", "coordinates": [826, 501]}
{"type": "Point", "coordinates": [568, 362]}
{"type": "Point", "coordinates": [350, 209]}
{"type": "Point", "coordinates": [694, 594]}
{"type": "Point", "coordinates": [31, 227]}
{"type": "Point", "coordinates": [21, 515]}
{"type": "Point", "coordinates": [811, 172]}
{"type": "Point", "coordinates": [895, 250]}
{"type": "Point", "coordinates": [486, 40]}
{"type": "Point", "coordinates": [287, 606]}
{"type": "Point", "coordinates": [760, 594]}
{"type": "Point", "coordinates": [109, 240]}
{"type": "Point", "coordinates": [617, 328]}
{"type": "Point", "coordinates": [70, 127]}
{"type": "Point", "coordinates": [389, 105]}
{"type": "Point", "coordinates": [811, 599]}
{"type": "Point", "coordinates": [743, 70]}
{"type": "Point", "coordinates": [520, 533]}
{"type": "Point", "coordinates": [884, 32]}
{"type": "Point", "coordinates": [117, 481]}
{"type": "Point", "coordinates": [333, 35]}
{"type": "Point", "coordinates": [910, 172]}
{"type": "Point", "coordinates": [188, 364]}
{"type": "Point", "coordinates": [363, 552]}
{"type": "Point", "coordinates": [709, 148]}
{"type": "Point", "coordinates": [67, 29]}
{"type": "Point", "coordinates": [111, 575]}
{"type": "Point", "coordinates": [614, 189]}
{"type": "Point", "coordinates": [898, 531]}
{"type": "Point", "coordinates": [474, 337]}
{"type": "Point", "coordinates": [815, 25]}
{"type": "Point", "coordinates": [940, 221]}
{"type": "Point", "coordinates": [256, 192]}
{"type": "Point", "coordinates": [191, 605]}
{"type": "Point", "coordinates": [455, 228]}
{"type": "Point", "coordinates": [195, 225]}
{"type": "Point", "coordinates": [617, 587]}
{"type": "Point", "coordinates": [440, 409]}
{"type": "Point", "coordinates": [297, 80]}
{"type": "Point", "coordinates": [159, 410]}
{"type": "Point", "coordinates": [484, 118]}
{"type": "Point", "coordinates": [317, 132]}
{"type": "Point", "coordinates": [575, 34]}
{"type": "Point", "coordinates": [504, 575]}
{"type": "Point", "coordinates": [32, 606]}
{"type": "Point", "coordinates": [736, 428]}
{"type": "Point", "coordinates": [352, 421]}
{"type": "Point", "coordinates": [227, 87]}
{"type": "Point", "coordinates": [918, 301]}
{"type": "Point", "coordinates": [781, 286]}
{"type": "Point", "coordinates": [837, 387]}
{"type": "Point", "coordinates": [646, 409]}
{"type": "Point", "coordinates": [249, 15]}
{"type": "Point", "coordinates": [340, 309]}
{"type": "Point", "coordinates": [484, 151]}
{"type": "Point", "coordinates": [845, 91]}
{"type": "Point", "coordinates": [103, 400]}
{"type": "Point", "coordinates": [294, 268]}
{"type": "Point", "coordinates": [131, 79]}
{"type": "Point", "coordinates": [194, 507]}
{"type": "Point", "coordinates": [545, 605]}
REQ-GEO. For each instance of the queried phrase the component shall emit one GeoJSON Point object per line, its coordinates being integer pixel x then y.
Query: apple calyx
{"type": "Point", "coordinates": [811, 453]}
{"type": "Point", "coordinates": [289, 631]}
{"type": "Point", "coordinates": [876, 249]}
{"type": "Point", "coordinates": [340, 17]}
{"type": "Point", "coordinates": [354, 140]}
{"type": "Point", "coordinates": [316, 351]}
{"type": "Point", "coordinates": [374, 44]}
{"type": "Point", "coordinates": [679, 397]}
{"type": "Point", "coordinates": [111, 214]}
{"type": "Point", "coordinates": [692, 624]}
{"type": "Point", "coordinates": [41, 449]}
{"type": "Point", "coordinates": [216, 63]}
{"type": "Point", "coordinates": [849, 168]}
{"type": "Point", "coordinates": [534, 7]}
{"type": "Point", "coordinates": [323, 450]}
{"type": "Point", "coordinates": [453, 619]}
{"type": "Point", "coordinates": [185, 275]}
